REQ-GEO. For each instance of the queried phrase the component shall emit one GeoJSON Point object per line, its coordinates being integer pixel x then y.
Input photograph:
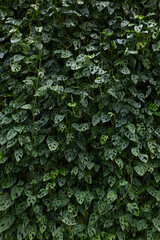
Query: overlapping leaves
{"type": "Point", "coordinates": [79, 120]}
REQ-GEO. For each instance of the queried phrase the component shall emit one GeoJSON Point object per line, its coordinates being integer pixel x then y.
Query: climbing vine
{"type": "Point", "coordinates": [79, 120]}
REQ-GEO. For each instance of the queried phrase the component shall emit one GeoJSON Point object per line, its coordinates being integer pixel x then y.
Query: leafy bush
{"type": "Point", "coordinates": [79, 100]}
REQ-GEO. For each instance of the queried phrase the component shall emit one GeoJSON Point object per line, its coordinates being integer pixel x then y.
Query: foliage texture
{"type": "Point", "coordinates": [79, 120]}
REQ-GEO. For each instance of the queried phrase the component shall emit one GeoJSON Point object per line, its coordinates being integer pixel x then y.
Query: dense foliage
{"type": "Point", "coordinates": [79, 120]}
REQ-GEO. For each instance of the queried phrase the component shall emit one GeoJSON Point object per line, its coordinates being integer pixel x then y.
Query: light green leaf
{"type": "Point", "coordinates": [133, 208]}
{"type": "Point", "coordinates": [11, 134]}
{"type": "Point", "coordinates": [6, 222]}
{"type": "Point", "coordinates": [52, 144]}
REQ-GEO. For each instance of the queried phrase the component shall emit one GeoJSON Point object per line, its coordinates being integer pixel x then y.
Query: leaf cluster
{"type": "Point", "coordinates": [79, 120]}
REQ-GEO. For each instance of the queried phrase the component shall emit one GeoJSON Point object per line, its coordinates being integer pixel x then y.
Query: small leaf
{"type": "Point", "coordinates": [6, 222]}
{"type": "Point", "coordinates": [15, 68]}
{"type": "Point", "coordinates": [96, 119]}
{"type": "Point", "coordinates": [80, 195]}
{"type": "Point", "coordinates": [111, 197]}
{"type": "Point", "coordinates": [143, 157]}
{"type": "Point", "coordinates": [124, 223]}
{"type": "Point", "coordinates": [11, 134]}
{"type": "Point", "coordinates": [22, 232]}
{"type": "Point", "coordinates": [135, 78]}
{"type": "Point", "coordinates": [125, 70]}
{"type": "Point", "coordinates": [156, 222]}
{"type": "Point", "coordinates": [133, 208]}
{"type": "Point", "coordinates": [124, 23]}
{"type": "Point", "coordinates": [131, 128]}
{"type": "Point", "coordinates": [16, 192]}
{"type": "Point", "coordinates": [103, 139]}
{"type": "Point", "coordinates": [91, 231]}
{"type": "Point", "coordinates": [93, 218]}
{"type": "Point", "coordinates": [70, 221]}
{"type": "Point", "coordinates": [121, 236]}
{"type": "Point", "coordinates": [18, 58]}
{"type": "Point", "coordinates": [152, 146]}
{"type": "Point", "coordinates": [69, 155]}
{"type": "Point", "coordinates": [138, 28]}
{"type": "Point", "coordinates": [18, 154]}
{"type": "Point", "coordinates": [5, 202]}
{"type": "Point", "coordinates": [66, 54]}
{"type": "Point", "coordinates": [140, 169]}
{"type": "Point", "coordinates": [58, 118]}
{"type": "Point", "coordinates": [52, 144]}
{"type": "Point", "coordinates": [135, 151]}
{"type": "Point", "coordinates": [9, 181]}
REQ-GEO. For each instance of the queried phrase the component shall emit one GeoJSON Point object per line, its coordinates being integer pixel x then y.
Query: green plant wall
{"type": "Point", "coordinates": [79, 120]}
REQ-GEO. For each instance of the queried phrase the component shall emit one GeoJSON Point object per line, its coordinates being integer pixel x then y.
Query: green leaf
{"type": "Point", "coordinates": [121, 236]}
{"type": "Point", "coordinates": [103, 139]}
{"type": "Point", "coordinates": [18, 154]}
{"type": "Point", "coordinates": [138, 28]}
{"type": "Point", "coordinates": [133, 208]}
{"type": "Point", "coordinates": [66, 54]}
{"type": "Point", "coordinates": [111, 197]}
{"type": "Point", "coordinates": [111, 237]}
{"type": "Point", "coordinates": [58, 118]}
{"type": "Point", "coordinates": [15, 68]}
{"type": "Point", "coordinates": [6, 222]}
{"type": "Point", "coordinates": [52, 144]}
{"type": "Point", "coordinates": [143, 157]}
{"type": "Point", "coordinates": [124, 223]}
{"type": "Point", "coordinates": [91, 231]}
{"type": "Point", "coordinates": [96, 119]}
{"type": "Point", "coordinates": [93, 218]}
{"type": "Point", "coordinates": [11, 134]}
{"type": "Point", "coordinates": [156, 222]}
{"type": "Point", "coordinates": [18, 58]}
{"type": "Point", "coordinates": [156, 46]}
{"type": "Point", "coordinates": [125, 70]}
{"type": "Point", "coordinates": [22, 232]}
{"type": "Point", "coordinates": [32, 232]}
{"type": "Point", "coordinates": [68, 220]}
{"type": "Point", "coordinates": [9, 181]}
{"type": "Point", "coordinates": [69, 155]}
{"type": "Point", "coordinates": [140, 169]}
{"type": "Point", "coordinates": [80, 195]}
{"type": "Point", "coordinates": [131, 128]}
{"type": "Point", "coordinates": [5, 201]}
{"type": "Point", "coordinates": [135, 78]}
{"type": "Point", "coordinates": [16, 192]}
{"type": "Point", "coordinates": [152, 146]}
{"type": "Point", "coordinates": [135, 151]}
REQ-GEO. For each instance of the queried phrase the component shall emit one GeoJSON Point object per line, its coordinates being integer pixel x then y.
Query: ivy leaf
{"type": "Point", "coordinates": [125, 70]}
{"type": "Point", "coordinates": [58, 118]}
{"type": "Point", "coordinates": [138, 28]}
{"type": "Point", "coordinates": [143, 157]}
{"type": "Point", "coordinates": [111, 197]}
{"type": "Point", "coordinates": [18, 154]}
{"type": "Point", "coordinates": [133, 208]}
{"type": "Point", "coordinates": [156, 222]}
{"type": "Point", "coordinates": [6, 222]}
{"type": "Point", "coordinates": [93, 218]}
{"type": "Point", "coordinates": [5, 202]}
{"type": "Point", "coordinates": [131, 128]}
{"type": "Point", "coordinates": [52, 144]}
{"type": "Point", "coordinates": [80, 195]}
{"type": "Point", "coordinates": [140, 169]}
{"type": "Point", "coordinates": [67, 219]}
{"type": "Point", "coordinates": [96, 119]}
{"type": "Point", "coordinates": [11, 134]}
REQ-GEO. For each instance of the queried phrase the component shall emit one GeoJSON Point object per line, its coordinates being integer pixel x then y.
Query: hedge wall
{"type": "Point", "coordinates": [79, 120]}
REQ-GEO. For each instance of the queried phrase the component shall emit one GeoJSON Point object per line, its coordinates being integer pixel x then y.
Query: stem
{"type": "Point", "coordinates": [128, 187]}
{"type": "Point", "coordinates": [35, 100]}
